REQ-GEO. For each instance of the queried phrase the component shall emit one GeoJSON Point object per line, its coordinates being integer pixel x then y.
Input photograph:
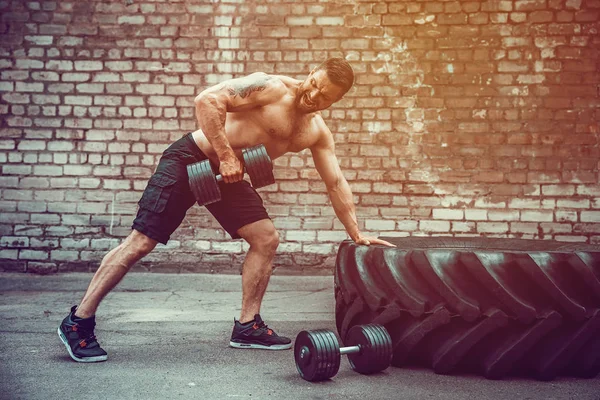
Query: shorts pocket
{"type": "Point", "coordinates": [157, 193]}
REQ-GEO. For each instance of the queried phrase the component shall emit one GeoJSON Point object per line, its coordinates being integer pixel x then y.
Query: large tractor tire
{"type": "Point", "coordinates": [496, 307]}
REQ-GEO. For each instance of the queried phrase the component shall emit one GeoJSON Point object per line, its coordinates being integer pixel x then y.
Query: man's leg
{"type": "Point", "coordinates": [250, 331]}
{"type": "Point", "coordinates": [113, 268]}
{"type": "Point", "coordinates": [77, 329]}
{"type": "Point", "coordinates": [258, 265]}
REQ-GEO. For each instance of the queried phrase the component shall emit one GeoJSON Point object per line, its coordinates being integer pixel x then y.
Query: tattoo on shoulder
{"type": "Point", "coordinates": [244, 89]}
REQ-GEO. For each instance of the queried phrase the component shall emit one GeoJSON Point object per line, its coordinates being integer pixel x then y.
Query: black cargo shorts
{"type": "Point", "coordinates": [168, 196]}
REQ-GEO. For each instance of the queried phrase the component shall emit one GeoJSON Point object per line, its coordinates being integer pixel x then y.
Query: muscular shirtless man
{"type": "Point", "coordinates": [283, 114]}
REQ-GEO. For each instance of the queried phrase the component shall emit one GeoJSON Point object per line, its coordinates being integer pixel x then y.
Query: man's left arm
{"type": "Point", "coordinates": [338, 189]}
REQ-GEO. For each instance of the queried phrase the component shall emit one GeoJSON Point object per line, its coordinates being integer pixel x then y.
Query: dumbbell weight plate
{"type": "Point", "coordinates": [203, 183]}
{"type": "Point", "coordinates": [376, 348]}
{"type": "Point", "coordinates": [317, 354]}
{"type": "Point", "coordinates": [269, 177]}
{"type": "Point", "coordinates": [193, 179]}
{"type": "Point", "coordinates": [259, 166]}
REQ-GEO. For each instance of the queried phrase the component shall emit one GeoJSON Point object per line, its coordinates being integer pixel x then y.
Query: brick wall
{"type": "Point", "coordinates": [467, 119]}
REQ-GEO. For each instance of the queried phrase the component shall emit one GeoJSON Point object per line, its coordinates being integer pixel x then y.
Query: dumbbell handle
{"type": "Point", "coordinates": [349, 349]}
{"type": "Point", "coordinates": [219, 178]}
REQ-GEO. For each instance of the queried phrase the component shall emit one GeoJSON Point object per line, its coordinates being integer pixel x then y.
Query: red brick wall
{"type": "Point", "coordinates": [467, 119]}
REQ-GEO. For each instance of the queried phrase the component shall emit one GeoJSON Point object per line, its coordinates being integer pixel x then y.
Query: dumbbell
{"type": "Point", "coordinates": [204, 182]}
{"type": "Point", "coordinates": [318, 354]}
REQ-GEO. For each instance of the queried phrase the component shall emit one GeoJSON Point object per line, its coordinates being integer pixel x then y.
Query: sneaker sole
{"type": "Point", "coordinates": [260, 346]}
{"type": "Point", "coordinates": [73, 356]}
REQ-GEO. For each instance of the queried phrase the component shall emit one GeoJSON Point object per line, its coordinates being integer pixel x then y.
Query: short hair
{"type": "Point", "coordinates": [339, 72]}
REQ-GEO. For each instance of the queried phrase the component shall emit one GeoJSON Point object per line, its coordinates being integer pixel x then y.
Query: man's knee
{"type": "Point", "coordinates": [270, 241]}
{"type": "Point", "coordinates": [138, 245]}
{"type": "Point", "coordinates": [262, 236]}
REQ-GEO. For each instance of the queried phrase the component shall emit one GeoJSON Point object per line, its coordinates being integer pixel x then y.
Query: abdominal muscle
{"type": "Point", "coordinates": [275, 147]}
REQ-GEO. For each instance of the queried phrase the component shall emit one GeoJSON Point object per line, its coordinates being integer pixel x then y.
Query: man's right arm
{"type": "Point", "coordinates": [234, 95]}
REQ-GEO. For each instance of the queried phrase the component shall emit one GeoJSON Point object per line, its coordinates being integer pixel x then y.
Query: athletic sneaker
{"type": "Point", "coordinates": [78, 336]}
{"type": "Point", "coordinates": [256, 335]}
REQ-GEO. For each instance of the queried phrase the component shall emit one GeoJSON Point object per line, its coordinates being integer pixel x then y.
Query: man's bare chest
{"type": "Point", "coordinates": [276, 124]}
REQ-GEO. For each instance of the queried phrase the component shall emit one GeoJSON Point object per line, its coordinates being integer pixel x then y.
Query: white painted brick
{"type": "Point", "coordinates": [60, 231]}
{"type": "Point", "coordinates": [492, 227]}
{"type": "Point", "coordinates": [525, 203]}
{"type": "Point", "coordinates": [476, 215]}
{"type": "Point", "coordinates": [33, 255]}
{"type": "Point", "coordinates": [29, 87]}
{"type": "Point", "coordinates": [104, 244]}
{"type": "Point", "coordinates": [148, 88]}
{"type": "Point", "coordinates": [588, 190]}
{"type": "Point", "coordinates": [25, 145]}
{"type": "Point", "coordinates": [166, 125]}
{"type": "Point", "coordinates": [537, 216]}
{"type": "Point", "coordinates": [202, 245]}
{"type": "Point", "coordinates": [81, 170]}
{"type": "Point", "coordinates": [487, 203]}
{"type": "Point", "coordinates": [434, 226]}
{"type": "Point", "coordinates": [90, 87]}
{"type": "Point", "coordinates": [158, 43]}
{"type": "Point", "coordinates": [29, 64]}
{"type": "Point", "coordinates": [131, 19]}
{"type": "Point", "coordinates": [459, 226]}
{"type": "Point", "coordinates": [64, 255]}
{"type": "Point", "coordinates": [161, 101]}
{"type": "Point", "coordinates": [171, 245]}
{"type": "Point", "coordinates": [16, 169]}
{"type": "Point", "coordinates": [448, 214]}
{"type": "Point", "coordinates": [321, 248]}
{"type": "Point", "coordinates": [112, 184]}
{"type": "Point", "coordinates": [59, 65]}
{"type": "Point", "coordinates": [63, 183]}
{"type": "Point", "coordinates": [520, 227]}
{"type": "Point", "coordinates": [300, 236]}
{"type": "Point", "coordinates": [289, 247]}
{"type": "Point", "coordinates": [380, 225]}
{"type": "Point", "coordinates": [91, 208]}
{"type": "Point", "coordinates": [339, 21]}
{"type": "Point", "coordinates": [332, 236]}
{"type": "Point", "coordinates": [300, 21]}
{"type": "Point", "coordinates": [48, 170]}
{"type": "Point", "coordinates": [583, 203]}
{"type": "Point", "coordinates": [75, 219]}
{"type": "Point", "coordinates": [558, 190]}
{"type": "Point", "coordinates": [45, 76]}
{"type": "Point", "coordinates": [9, 254]}
{"type": "Point", "coordinates": [7, 86]}
{"type": "Point", "coordinates": [556, 228]}
{"type": "Point", "coordinates": [590, 216]}
{"type": "Point", "coordinates": [228, 247]}
{"type": "Point", "coordinates": [45, 219]}
{"type": "Point", "coordinates": [510, 215]}
{"type": "Point", "coordinates": [87, 65]}
{"type": "Point", "coordinates": [108, 100]}
{"type": "Point", "coordinates": [39, 40]}
{"type": "Point", "coordinates": [31, 182]}
{"type": "Point", "coordinates": [14, 241]}
{"type": "Point", "coordinates": [566, 216]}
{"type": "Point", "coordinates": [8, 206]}
{"type": "Point", "coordinates": [20, 194]}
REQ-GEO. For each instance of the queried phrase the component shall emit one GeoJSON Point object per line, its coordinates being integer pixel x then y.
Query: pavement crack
{"type": "Point", "coordinates": [173, 293]}
{"type": "Point", "coordinates": [303, 294]}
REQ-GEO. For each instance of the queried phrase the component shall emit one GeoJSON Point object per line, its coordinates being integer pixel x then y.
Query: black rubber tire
{"type": "Point", "coordinates": [495, 307]}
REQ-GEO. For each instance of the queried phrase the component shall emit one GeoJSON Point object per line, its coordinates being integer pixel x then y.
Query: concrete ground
{"type": "Point", "coordinates": [167, 338]}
